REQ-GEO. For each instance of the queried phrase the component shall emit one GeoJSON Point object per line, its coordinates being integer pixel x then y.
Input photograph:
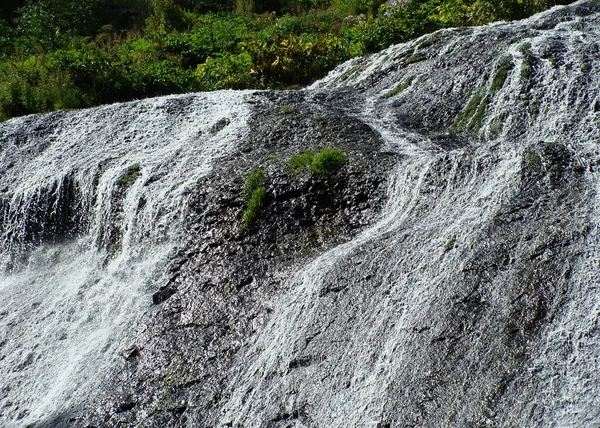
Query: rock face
{"type": "Point", "coordinates": [444, 275]}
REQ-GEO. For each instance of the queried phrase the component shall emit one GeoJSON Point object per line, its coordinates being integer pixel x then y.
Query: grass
{"type": "Point", "coordinates": [318, 164]}
{"type": "Point", "coordinates": [254, 180]}
{"type": "Point", "coordinates": [415, 58]}
{"type": "Point", "coordinates": [130, 176]}
{"type": "Point", "coordinates": [327, 161]}
{"type": "Point", "coordinates": [472, 113]}
{"type": "Point", "coordinates": [254, 207]}
{"type": "Point", "coordinates": [255, 194]}
{"type": "Point", "coordinates": [301, 162]}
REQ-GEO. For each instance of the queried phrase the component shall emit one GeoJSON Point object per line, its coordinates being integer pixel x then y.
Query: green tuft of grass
{"type": "Point", "coordinates": [327, 161]}
{"type": "Point", "coordinates": [130, 176]}
{"type": "Point", "coordinates": [402, 86]}
{"type": "Point", "coordinates": [255, 205]}
{"type": "Point", "coordinates": [300, 162]}
{"type": "Point", "coordinates": [254, 180]}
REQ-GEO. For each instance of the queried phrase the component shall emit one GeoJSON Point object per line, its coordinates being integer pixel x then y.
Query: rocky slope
{"type": "Point", "coordinates": [445, 275]}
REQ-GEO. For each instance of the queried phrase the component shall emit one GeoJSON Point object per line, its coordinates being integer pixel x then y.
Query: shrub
{"type": "Point", "coordinates": [327, 161]}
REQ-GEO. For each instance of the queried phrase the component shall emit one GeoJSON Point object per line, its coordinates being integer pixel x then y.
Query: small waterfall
{"type": "Point", "coordinates": [92, 207]}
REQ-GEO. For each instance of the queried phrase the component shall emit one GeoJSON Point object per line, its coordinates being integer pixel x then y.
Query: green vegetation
{"type": "Point", "coordinates": [532, 160]}
{"type": "Point", "coordinates": [504, 66]}
{"type": "Point", "coordinates": [301, 162]}
{"type": "Point", "coordinates": [129, 177]}
{"type": "Point", "coordinates": [62, 54]}
{"type": "Point", "coordinates": [449, 245]}
{"type": "Point", "coordinates": [255, 194]}
{"type": "Point", "coordinates": [327, 161]}
{"type": "Point", "coordinates": [254, 180]}
{"type": "Point", "coordinates": [317, 163]}
{"type": "Point", "coordinates": [402, 86]}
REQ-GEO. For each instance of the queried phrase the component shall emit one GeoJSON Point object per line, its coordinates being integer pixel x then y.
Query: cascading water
{"type": "Point", "coordinates": [71, 298]}
{"type": "Point", "coordinates": [471, 300]}
{"type": "Point", "coordinates": [416, 338]}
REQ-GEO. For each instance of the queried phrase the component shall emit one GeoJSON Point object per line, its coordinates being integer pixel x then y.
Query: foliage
{"type": "Point", "coordinates": [300, 162]}
{"type": "Point", "coordinates": [57, 54]}
{"type": "Point", "coordinates": [449, 245]}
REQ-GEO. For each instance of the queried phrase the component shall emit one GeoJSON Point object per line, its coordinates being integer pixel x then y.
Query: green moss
{"type": "Point", "coordinates": [113, 249]}
{"type": "Point", "coordinates": [415, 58]}
{"type": "Point", "coordinates": [327, 161]}
{"type": "Point", "coordinates": [472, 108]}
{"type": "Point", "coordinates": [532, 160]}
{"type": "Point", "coordinates": [402, 86]}
{"type": "Point", "coordinates": [450, 245]}
{"type": "Point", "coordinates": [254, 207]}
{"type": "Point", "coordinates": [500, 75]}
{"type": "Point", "coordinates": [475, 124]}
{"type": "Point", "coordinates": [130, 176]}
{"type": "Point", "coordinates": [285, 108]}
{"type": "Point", "coordinates": [254, 180]}
{"type": "Point", "coordinates": [432, 40]}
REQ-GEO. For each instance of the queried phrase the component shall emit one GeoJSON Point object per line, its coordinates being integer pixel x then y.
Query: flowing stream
{"type": "Point", "coordinates": [69, 304]}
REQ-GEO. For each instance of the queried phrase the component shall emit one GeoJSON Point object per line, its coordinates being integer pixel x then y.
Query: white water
{"type": "Point", "coordinates": [66, 315]}
{"type": "Point", "coordinates": [374, 347]}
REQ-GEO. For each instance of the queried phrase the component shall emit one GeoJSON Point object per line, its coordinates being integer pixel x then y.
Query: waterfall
{"type": "Point", "coordinates": [119, 175]}
{"type": "Point", "coordinates": [470, 300]}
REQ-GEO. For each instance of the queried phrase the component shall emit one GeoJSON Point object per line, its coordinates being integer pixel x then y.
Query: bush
{"type": "Point", "coordinates": [301, 162]}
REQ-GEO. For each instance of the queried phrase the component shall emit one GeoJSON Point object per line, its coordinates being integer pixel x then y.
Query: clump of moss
{"type": "Point", "coordinates": [473, 113]}
{"type": "Point", "coordinates": [402, 86]}
{"type": "Point", "coordinates": [504, 66]}
{"type": "Point", "coordinates": [130, 176]}
{"type": "Point", "coordinates": [532, 160]}
{"type": "Point", "coordinates": [430, 41]}
{"type": "Point", "coordinates": [415, 58]}
{"type": "Point", "coordinates": [450, 245]}
{"type": "Point", "coordinates": [255, 194]}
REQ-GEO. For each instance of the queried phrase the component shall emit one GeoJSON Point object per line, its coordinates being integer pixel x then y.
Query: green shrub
{"type": "Point", "coordinates": [254, 207]}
